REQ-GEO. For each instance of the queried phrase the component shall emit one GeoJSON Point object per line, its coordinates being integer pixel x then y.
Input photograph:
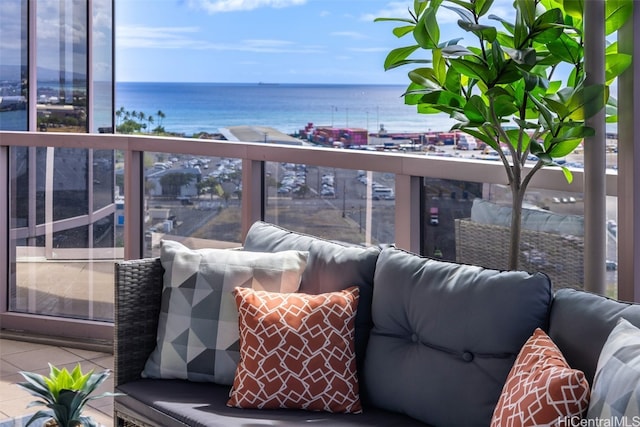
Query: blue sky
{"type": "Point", "coordinates": [273, 41]}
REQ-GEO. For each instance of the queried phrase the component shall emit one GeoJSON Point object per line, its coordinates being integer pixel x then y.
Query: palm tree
{"type": "Point", "coordinates": [119, 114]}
{"type": "Point", "coordinates": [161, 116]}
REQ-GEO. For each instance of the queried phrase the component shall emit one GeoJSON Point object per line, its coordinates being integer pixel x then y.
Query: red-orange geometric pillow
{"type": "Point", "coordinates": [541, 388]}
{"type": "Point", "coordinates": [296, 351]}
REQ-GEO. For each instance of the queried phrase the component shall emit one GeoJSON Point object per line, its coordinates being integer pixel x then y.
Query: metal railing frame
{"type": "Point", "coordinates": [408, 169]}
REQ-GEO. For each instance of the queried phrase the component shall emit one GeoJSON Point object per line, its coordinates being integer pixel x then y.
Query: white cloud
{"type": "Point", "coordinates": [221, 6]}
{"type": "Point", "coordinates": [157, 37]}
{"type": "Point", "coordinates": [183, 38]}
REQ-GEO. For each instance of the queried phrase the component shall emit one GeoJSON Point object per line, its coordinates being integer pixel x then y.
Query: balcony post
{"type": "Point", "coordinates": [133, 204]}
{"type": "Point", "coordinates": [595, 215]}
{"type": "Point", "coordinates": [4, 227]}
{"type": "Point", "coordinates": [409, 205]}
{"type": "Point", "coordinates": [628, 235]}
{"type": "Point", "coordinates": [253, 194]}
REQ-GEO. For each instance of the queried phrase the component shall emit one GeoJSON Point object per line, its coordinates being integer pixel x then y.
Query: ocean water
{"type": "Point", "coordinates": [190, 108]}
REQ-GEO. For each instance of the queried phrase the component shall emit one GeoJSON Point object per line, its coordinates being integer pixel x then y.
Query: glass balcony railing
{"type": "Point", "coordinates": [79, 202]}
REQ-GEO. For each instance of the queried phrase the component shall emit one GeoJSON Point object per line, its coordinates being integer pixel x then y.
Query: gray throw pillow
{"type": "Point", "coordinates": [198, 336]}
{"type": "Point", "coordinates": [445, 336]}
{"type": "Point", "coordinates": [615, 395]}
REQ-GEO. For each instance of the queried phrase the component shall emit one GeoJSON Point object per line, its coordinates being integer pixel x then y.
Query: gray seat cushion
{"type": "Point", "coordinates": [581, 322]}
{"type": "Point", "coordinates": [445, 336]}
{"type": "Point", "coordinates": [330, 267]}
{"type": "Point", "coordinates": [204, 405]}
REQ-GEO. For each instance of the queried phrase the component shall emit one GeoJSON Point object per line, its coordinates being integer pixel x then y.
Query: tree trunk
{"type": "Point", "coordinates": [517, 198]}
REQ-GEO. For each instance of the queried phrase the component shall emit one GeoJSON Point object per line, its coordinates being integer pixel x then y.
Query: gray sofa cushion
{"type": "Point", "coordinates": [204, 405]}
{"type": "Point", "coordinates": [581, 322]}
{"type": "Point", "coordinates": [330, 267]}
{"type": "Point", "coordinates": [445, 336]}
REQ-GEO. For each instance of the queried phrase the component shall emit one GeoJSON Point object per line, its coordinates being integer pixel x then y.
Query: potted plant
{"type": "Point", "coordinates": [507, 88]}
{"type": "Point", "coordinates": [65, 394]}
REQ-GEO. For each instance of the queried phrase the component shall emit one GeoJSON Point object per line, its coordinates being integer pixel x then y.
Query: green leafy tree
{"type": "Point", "coordinates": [210, 186]}
{"type": "Point", "coordinates": [172, 182]}
{"type": "Point", "coordinates": [505, 89]}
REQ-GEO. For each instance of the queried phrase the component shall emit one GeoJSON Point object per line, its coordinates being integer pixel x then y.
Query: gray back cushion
{"type": "Point", "coordinates": [330, 267]}
{"type": "Point", "coordinates": [580, 324]}
{"type": "Point", "coordinates": [445, 336]}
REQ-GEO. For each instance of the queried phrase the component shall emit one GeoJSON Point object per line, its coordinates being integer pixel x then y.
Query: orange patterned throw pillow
{"type": "Point", "coordinates": [296, 351]}
{"type": "Point", "coordinates": [541, 388]}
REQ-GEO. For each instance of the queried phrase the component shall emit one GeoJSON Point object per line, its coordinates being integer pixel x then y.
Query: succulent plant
{"type": "Point", "coordinates": [65, 394]}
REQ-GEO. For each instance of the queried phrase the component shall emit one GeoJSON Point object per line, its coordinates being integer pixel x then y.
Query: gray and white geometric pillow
{"type": "Point", "coordinates": [198, 336]}
{"type": "Point", "coordinates": [615, 395]}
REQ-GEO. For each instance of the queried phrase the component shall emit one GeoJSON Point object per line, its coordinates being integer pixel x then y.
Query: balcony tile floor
{"type": "Point", "coordinates": [18, 356]}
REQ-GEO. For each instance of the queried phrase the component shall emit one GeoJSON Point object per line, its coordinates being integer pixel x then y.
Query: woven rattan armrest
{"type": "Point", "coordinates": [138, 292]}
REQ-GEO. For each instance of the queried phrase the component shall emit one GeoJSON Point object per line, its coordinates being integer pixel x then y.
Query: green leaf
{"type": "Point", "coordinates": [456, 50]}
{"type": "Point", "coordinates": [449, 43]}
{"type": "Point", "coordinates": [546, 115]}
{"type": "Point", "coordinates": [586, 101]}
{"type": "Point", "coordinates": [504, 106]}
{"type": "Point", "coordinates": [467, 5]}
{"type": "Point", "coordinates": [449, 100]}
{"type": "Point", "coordinates": [452, 81]}
{"type": "Point", "coordinates": [483, 137]}
{"type": "Point", "coordinates": [403, 31]}
{"type": "Point", "coordinates": [617, 12]}
{"type": "Point", "coordinates": [527, 9]}
{"type": "Point", "coordinates": [471, 69]}
{"type": "Point", "coordinates": [506, 24]}
{"type": "Point", "coordinates": [536, 148]}
{"type": "Point", "coordinates": [557, 107]}
{"type": "Point", "coordinates": [571, 131]}
{"type": "Point", "coordinates": [554, 86]}
{"type": "Point", "coordinates": [574, 8]}
{"type": "Point", "coordinates": [413, 94]}
{"type": "Point", "coordinates": [567, 174]}
{"type": "Point", "coordinates": [547, 27]}
{"type": "Point", "coordinates": [487, 32]}
{"type": "Point", "coordinates": [394, 20]}
{"type": "Point", "coordinates": [464, 14]}
{"type": "Point", "coordinates": [520, 30]}
{"type": "Point", "coordinates": [566, 48]}
{"type": "Point", "coordinates": [476, 110]}
{"type": "Point", "coordinates": [439, 66]}
{"type": "Point", "coordinates": [427, 31]}
{"type": "Point", "coordinates": [408, 62]}
{"type": "Point", "coordinates": [425, 77]}
{"type": "Point", "coordinates": [509, 74]}
{"type": "Point", "coordinates": [564, 148]}
{"type": "Point", "coordinates": [615, 64]}
{"type": "Point", "coordinates": [482, 6]}
{"type": "Point", "coordinates": [525, 124]}
{"type": "Point", "coordinates": [419, 6]}
{"type": "Point", "coordinates": [522, 56]}
{"type": "Point", "coordinates": [398, 55]}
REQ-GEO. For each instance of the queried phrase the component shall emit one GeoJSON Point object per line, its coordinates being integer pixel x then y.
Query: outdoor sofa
{"type": "Point", "coordinates": [435, 342]}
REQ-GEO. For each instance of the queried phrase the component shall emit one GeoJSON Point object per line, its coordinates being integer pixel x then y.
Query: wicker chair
{"type": "Point", "coordinates": [138, 293]}
{"type": "Point", "coordinates": [561, 257]}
